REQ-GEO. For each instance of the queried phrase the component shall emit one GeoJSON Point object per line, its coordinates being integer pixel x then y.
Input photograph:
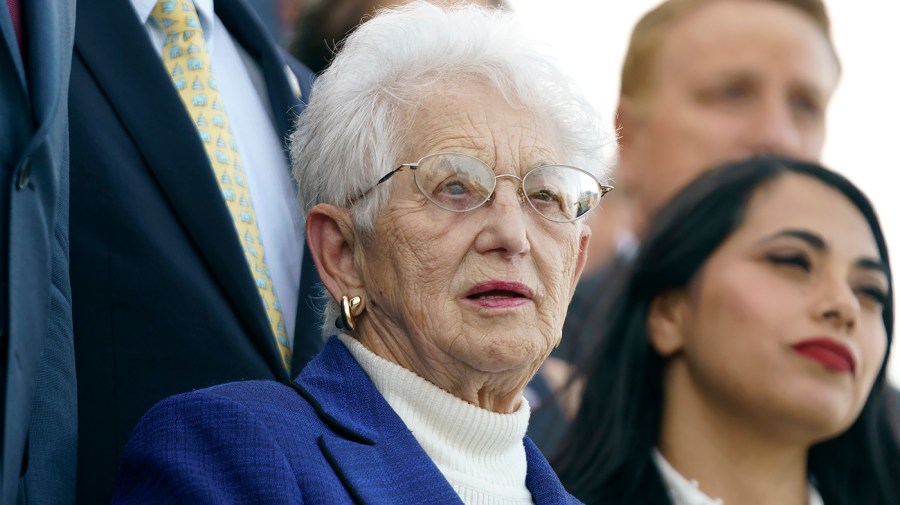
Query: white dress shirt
{"type": "Point", "coordinates": [265, 161]}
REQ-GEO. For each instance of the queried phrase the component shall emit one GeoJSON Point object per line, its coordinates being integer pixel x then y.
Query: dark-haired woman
{"type": "Point", "coordinates": [744, 362]}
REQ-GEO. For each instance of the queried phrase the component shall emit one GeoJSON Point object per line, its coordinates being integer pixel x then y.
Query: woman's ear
{"type": "Point", "coordinates": [584, 242]}
{"type": "Point", "coordinates": [665, 322]}
{"type": "Point", "coordinates": [331, 240]}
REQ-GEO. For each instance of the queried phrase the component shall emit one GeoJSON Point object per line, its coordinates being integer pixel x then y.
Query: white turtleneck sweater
{"type": "Point", "coordinates": [687, 492]}
{"type": "Point", "coordinates": [479, 452]}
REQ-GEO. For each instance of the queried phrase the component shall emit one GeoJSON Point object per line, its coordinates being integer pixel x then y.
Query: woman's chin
{"type": "Point", "coordinates": [819, 413]}
{"type": "Point", "coordinates": [509, 350]}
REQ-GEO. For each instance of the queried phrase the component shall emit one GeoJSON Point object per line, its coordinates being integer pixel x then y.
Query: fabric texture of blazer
{"type": "Point", "coordinates": [163, 301]}
{"type": "Point", "coordinates": [37, 362]}
{"type": "Point", "coordinates": [329, 438]}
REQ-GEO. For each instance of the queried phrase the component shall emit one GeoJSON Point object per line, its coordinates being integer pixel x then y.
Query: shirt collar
{"type": "Point", "coordinates": [204, 8]}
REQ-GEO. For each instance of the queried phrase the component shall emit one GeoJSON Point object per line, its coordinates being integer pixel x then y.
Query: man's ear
{"type": "Point", "coordinates": [665, 322]}
{"type": "Point", "coordinates": [626, 119]}
{"type": "Point", "coordinates": [331, 240]}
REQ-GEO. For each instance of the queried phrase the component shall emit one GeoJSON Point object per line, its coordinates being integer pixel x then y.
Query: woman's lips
{"type": "Point", "coordinates": [830, 353]}
{"type": "Point", "coordinates": [499, 294]}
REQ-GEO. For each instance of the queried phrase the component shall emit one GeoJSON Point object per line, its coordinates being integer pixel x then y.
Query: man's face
{"type": "Point", "coordinates": [734, 78]}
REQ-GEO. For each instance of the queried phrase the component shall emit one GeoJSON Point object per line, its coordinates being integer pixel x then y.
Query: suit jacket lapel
{"type": "Point", "coordinates": [152, 112]}
{"type": "Point", "coordinates": [245, 27]}
{"type": "Point", "coordinates": [308, 340]}
{"type": "Point", "coordinates": [9, 44]}
{"type": "Point", "coordinates": [375, 454]}
{"type": "Point", "coordinates": [45, 76]}
{"type": "Point", "coordinates": [249, 32]}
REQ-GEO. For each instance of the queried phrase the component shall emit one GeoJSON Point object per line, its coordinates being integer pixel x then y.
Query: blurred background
{"type": "Point", "coordinates": [589, 37]}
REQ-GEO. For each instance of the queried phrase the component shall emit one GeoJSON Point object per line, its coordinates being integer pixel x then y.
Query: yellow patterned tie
{"type": "Point", "coordinates": [189, 64]}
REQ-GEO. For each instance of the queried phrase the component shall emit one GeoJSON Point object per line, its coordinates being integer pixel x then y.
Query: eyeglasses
{"type": "Point", "coordinates": [460, 183]}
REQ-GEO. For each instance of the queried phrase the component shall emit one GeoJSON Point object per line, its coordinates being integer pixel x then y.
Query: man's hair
{"type": "Point", "coordinates": [639, 67]}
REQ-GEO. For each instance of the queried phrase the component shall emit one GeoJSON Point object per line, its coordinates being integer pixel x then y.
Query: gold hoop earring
{"type": "Point", "coordinates": [347, 319]}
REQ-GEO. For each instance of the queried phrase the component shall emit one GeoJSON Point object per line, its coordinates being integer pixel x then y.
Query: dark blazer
{"type": "Point", "coordinates": [330, 438]}
{"type": "Point", "coordinates": [37, 365]}
{"type": "Point", "coordinates": [163, 300]}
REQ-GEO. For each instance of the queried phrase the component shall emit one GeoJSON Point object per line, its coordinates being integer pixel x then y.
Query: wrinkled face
{"type": "Point", "coordinates": [485, 290]}
{"type": "Point", "coordinates": [783, 326]}
{"type": "Point", "coordinates": [734, 79]}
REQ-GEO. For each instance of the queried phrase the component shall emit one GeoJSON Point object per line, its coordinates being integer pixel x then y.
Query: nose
{"type": "Point", "coordinates": [504, 226]}
{"type": "Point", "coordinates": [838, 306]}
{"type": "Point", "coordinates": [775, 130]}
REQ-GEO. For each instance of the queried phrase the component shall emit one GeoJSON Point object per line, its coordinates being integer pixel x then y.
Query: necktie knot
{"type": "Point", "coordinates": [177, 18]}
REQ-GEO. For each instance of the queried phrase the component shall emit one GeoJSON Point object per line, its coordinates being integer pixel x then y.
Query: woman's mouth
{"type": "Point", "coordinates": [830, 353]}
{"type": "Point", "coordinates": [499, 295]}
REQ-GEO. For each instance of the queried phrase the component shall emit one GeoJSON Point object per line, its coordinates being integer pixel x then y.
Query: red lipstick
{"type": "Point", "coordinates": [829, 352]}
{"type": "Point", "coordinates": [499, 294]}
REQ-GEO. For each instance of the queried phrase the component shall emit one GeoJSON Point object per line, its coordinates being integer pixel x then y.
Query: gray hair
{"type": "Point", "coordinates": [354, 130]}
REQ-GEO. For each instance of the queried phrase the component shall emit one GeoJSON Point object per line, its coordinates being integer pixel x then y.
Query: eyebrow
{"type": "Point", "coordinates": [818, 243]}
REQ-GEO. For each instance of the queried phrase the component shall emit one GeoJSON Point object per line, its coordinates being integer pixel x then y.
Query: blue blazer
{"type": "Point", "coordinates": [163, 301]}
{"type": "Point", "coordinates": [329, 438]}
{"type": "Point", "coordinates": [37, 368]}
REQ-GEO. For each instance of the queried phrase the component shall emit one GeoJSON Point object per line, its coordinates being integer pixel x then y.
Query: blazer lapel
{"type": "Point", "coordinates": [394, 469]}
{"type": "Point", "coordinates": [152, 112]}
{"type": "Point", "coordinates": [374, 454]}
{"type": "Point", "coordinates": [541, 480]}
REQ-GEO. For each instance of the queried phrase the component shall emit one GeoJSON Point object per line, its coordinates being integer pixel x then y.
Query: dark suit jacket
{"type": "Point", "coordinates": [331, 438]}
{"type": "Point", "coordinates": [163, 300]}
{"type": "Point", "coordinates": [37, 366]}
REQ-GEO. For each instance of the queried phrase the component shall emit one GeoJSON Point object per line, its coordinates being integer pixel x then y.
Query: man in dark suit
{"type": "Point", "coordinates": [164, 300]}
{"type": "Point", "coordinates": [37, 365]}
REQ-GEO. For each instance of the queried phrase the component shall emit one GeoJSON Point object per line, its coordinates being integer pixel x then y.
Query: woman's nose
{"type": "Point", "coordinates": [505, 221]}
{"type": "Point", "coordinates": [839, 305]}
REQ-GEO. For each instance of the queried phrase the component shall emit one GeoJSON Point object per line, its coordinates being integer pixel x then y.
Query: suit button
{"type": "Point", "coordinates": [24, 175]}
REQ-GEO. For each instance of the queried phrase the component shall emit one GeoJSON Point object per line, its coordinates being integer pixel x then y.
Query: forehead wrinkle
{"type": "Point", "coordinates": [512, 138]}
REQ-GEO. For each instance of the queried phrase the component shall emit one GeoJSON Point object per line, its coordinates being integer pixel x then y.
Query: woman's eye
{"type": "Point", "coordinates": [791, 260]}
{"type": "Point", "coordinates": [543, 195]}
{"type": "Point", "coordinates": [874, 294]}
{"type": "Point", "coordinates": [453, 188]}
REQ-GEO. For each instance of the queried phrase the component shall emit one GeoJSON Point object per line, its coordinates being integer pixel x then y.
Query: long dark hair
{"type": "Point", "coordinates": [606, 457]}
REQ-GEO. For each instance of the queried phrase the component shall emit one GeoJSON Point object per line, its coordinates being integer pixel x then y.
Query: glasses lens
{"type": "Point", "coordinates": [455, 181]}
{"type": "Point", "coordinates": [561, 193]}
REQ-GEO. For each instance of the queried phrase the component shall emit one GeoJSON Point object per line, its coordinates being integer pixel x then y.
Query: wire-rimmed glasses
{"type": "Point", "coordinates": [460, 183]}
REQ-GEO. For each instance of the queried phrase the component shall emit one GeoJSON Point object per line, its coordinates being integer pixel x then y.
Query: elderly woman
{"type": "Point", "coordinates": [444, 166]}
{"type": "Point", "coordinates": [744, 362]}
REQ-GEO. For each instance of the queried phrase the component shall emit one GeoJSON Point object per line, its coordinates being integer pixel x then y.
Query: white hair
{"type": "Point", "coordinates": [355, 127]}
